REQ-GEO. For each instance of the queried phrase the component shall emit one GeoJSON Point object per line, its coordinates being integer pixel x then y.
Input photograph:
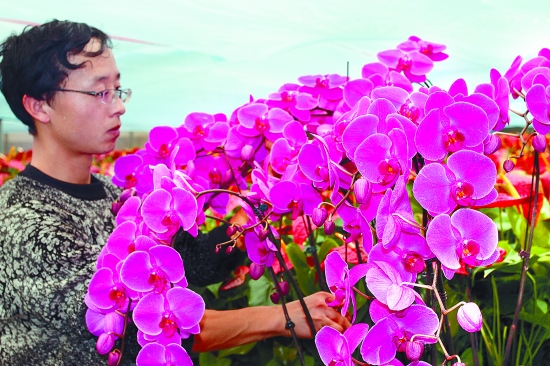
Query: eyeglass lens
{"type": "Point", "coordinates": [109, 96]}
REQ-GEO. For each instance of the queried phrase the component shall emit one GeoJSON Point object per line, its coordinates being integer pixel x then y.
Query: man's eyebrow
{"type": "Point", "coordinates": [104, 77]}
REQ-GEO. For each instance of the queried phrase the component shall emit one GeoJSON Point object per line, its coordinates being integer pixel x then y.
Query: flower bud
{"type": "Point", "coordinates": [127, 193]}
{"type": "Point", "coordinates": [262, 234]}
{"type": "Point", "coordinates": [113, 358]}
{"type": "Point", "coordinates": [319, 216]}
{"type": "Point", "coordinates": [247, 152]}
{"type": "Point", "coordinates": [256, 270]}
{"type": "Point", "coordinates": [539, 143]}
{"type": "Point", "coordinates": [491, 144]}
{"type": "Point", "coordinates": [229, 249]}
{"type": "Point", "coordinates": [362, 190]}
{"type": "Point", "coordinates": [227, 176]}
{"type": "Point", "coordinates": [414, 350]}
{"type": "Point", "coordinates": [284, 287]}
{"type": "Point", "coordinates": [275, 297]}
{"type": "Point", "coordinates": [105, 343]}
{"type": "Point", "coordinates": [469, 317]}
{"type": "Point", "coordinates": [231, 230]}
{"type": "Point", "coordinates": [329, 227]}
{"type": "Point", "coordinates": [115, 207]}
{"type": "Point", "coordinates": [508, 165]}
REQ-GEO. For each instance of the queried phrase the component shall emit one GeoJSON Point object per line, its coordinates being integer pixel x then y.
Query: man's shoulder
{"type": "Point", "coordinates": [16, 191]}
{"type": "Point", "coordinates": [110, 188]}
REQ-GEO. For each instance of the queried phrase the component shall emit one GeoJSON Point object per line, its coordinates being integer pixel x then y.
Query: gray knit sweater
{"type": "Point", "coordinates": [51, 233]}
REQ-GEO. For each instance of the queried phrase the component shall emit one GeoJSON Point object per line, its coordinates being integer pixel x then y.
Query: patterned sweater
{"type": "Point", "coordinates": [51, 233]}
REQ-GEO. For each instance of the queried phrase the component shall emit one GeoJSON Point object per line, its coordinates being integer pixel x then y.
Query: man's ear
{"type": "Point", "coordinates": [36, 108]}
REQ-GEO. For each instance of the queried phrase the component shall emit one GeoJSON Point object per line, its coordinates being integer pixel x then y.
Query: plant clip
{"type": "Point", "coordinates": [262, 207]}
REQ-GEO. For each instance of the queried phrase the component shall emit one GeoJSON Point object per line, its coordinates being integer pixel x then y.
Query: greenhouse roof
{"type": "Point", "coordinates": [210, 56]}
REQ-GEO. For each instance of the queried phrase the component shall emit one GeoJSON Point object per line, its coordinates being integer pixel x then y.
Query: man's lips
{"type": "Point", "coordinates": [115, 131]}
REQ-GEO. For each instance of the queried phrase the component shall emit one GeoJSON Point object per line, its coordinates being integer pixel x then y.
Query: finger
{"type": "Point", "coordinates": [337, 318]}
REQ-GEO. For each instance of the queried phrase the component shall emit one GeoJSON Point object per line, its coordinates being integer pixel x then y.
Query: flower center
{"type": "Point", "coordinates": [171, 222]}
{"type": "Point", "coordinates": [287, 97]}
{"type": "Point", "coordinates": [168, 325]}
{"type": "Point", "coordinates": [427, 49]}
{"type": "Point", "coordinates": [131, 180]}
{"type": "Point", "coordinates": [321, 83]}
{"type": "Point", "coordinates": [164, 151]}
{"type": "Point", "coordinates": [413, 263]}
{"type": "Point", "coordinates": [404, 63]}
{"type": "Point", "coordinates": [461, 191]}
{"type": "Point", "coordinates": [215, 176]}
{"type": "Point", "coordinates": [410, 111]}
{"type": "Point", "coordinates": [198, 131]}
{"type": "Point", "coordinates": [296, 207]}
{"type": "Point", "coordinates": [453, 140]}
{"type": "Point", "coordinates": [469, 248]}
{"type": "Point", "coordinates": [157, 278]}
{"type": "Point", "coordinates": [388, 169]}
{"type": "Point", "coordinates": [400, 342]}
{"type": "Point", "coordinates": [117, 295]}
{"type": "Point", "coordinates": [261, 124]}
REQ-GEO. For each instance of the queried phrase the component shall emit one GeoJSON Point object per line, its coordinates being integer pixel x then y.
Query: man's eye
{"type": "Point", "coordinates": [101, 94]}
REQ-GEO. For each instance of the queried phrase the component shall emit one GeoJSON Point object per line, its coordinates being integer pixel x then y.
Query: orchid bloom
{"type": "Point", "coordinates": [341, 279]}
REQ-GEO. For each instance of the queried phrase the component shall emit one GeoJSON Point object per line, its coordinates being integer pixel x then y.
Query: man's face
{"type": "Point", "coordinates": [80, 123]}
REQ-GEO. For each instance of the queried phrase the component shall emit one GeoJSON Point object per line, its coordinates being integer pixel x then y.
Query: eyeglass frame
{"type": "Point", "coordinates": [117, 92]}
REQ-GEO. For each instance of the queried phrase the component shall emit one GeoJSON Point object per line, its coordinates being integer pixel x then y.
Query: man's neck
{"type": "Point", "coordinates": [61, 164]}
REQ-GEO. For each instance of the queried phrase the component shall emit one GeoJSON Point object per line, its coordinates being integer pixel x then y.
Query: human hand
{"type": "Point", "coordinates": [321, 313]}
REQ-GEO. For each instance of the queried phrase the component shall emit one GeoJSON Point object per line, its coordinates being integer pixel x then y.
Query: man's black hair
{"type": "Point", "coordinates": [37, 61]}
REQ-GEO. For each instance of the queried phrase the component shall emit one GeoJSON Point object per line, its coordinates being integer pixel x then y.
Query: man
{"type": "Point", "coordinates": [61, 80]}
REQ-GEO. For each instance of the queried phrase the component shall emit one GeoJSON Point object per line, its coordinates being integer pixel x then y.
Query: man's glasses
{"type": "Point", "coordinates": [106, 96]}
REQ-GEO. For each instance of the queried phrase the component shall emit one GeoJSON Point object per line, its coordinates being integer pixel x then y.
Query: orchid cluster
{"type": "Point", "coordinates": [345, 156]}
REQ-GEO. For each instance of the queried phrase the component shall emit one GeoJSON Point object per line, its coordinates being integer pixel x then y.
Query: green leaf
{"type": "Point", "coordinates": [541, 234]}
{"type": "Point", "coordinates": [259, 292]}
{"type": "Point", "coordinates": [309, 361]}
{"type": "Point", "coordinates": [542, 306]}
{"type": "Point", "coordinates": [499, 217]}
{"type": "Point", "coordinates": [285, 355]}
{"type": "Point", "coordinates": [208, 359]}
{"type": "Point", "coordinates": [545, 210]}
{"type": "Point", "coordinates": [327, 245]}
{"type": "Point", "coordinates": [240, 350]}
{"type": "Point", "coordinates": [224, 362]}
{"type": "Point", "coordinates": [215, 288]}
{"type": "Point", "coordinates": [467, 357]}
{"type": "Point", "coordinates": [296, 256]}
{"type": "Point", "coordinates": [537, 318]}
{"type": "Point", "coordinates": [304, 273]}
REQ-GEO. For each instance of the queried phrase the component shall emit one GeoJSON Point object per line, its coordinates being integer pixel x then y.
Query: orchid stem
{"type": "Point", "coordinates": [281, 260]}
{"type": "Point", "coordinates": [123, 338]}
{"type": "Point", "coordinates": [217, 219]}
{"type": "Point", "coordinates": [289, 324]}
{"type": "Point", "coordinates": [312, 244]}
{"type": "Point", "coordinates": [261, 217]}
{"type": "Point", "coordinates": [518, 113]}
{"type": "Point", "coordinates": [525, 254]}
{"type": "Point", "coordinates": [360, 293]}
